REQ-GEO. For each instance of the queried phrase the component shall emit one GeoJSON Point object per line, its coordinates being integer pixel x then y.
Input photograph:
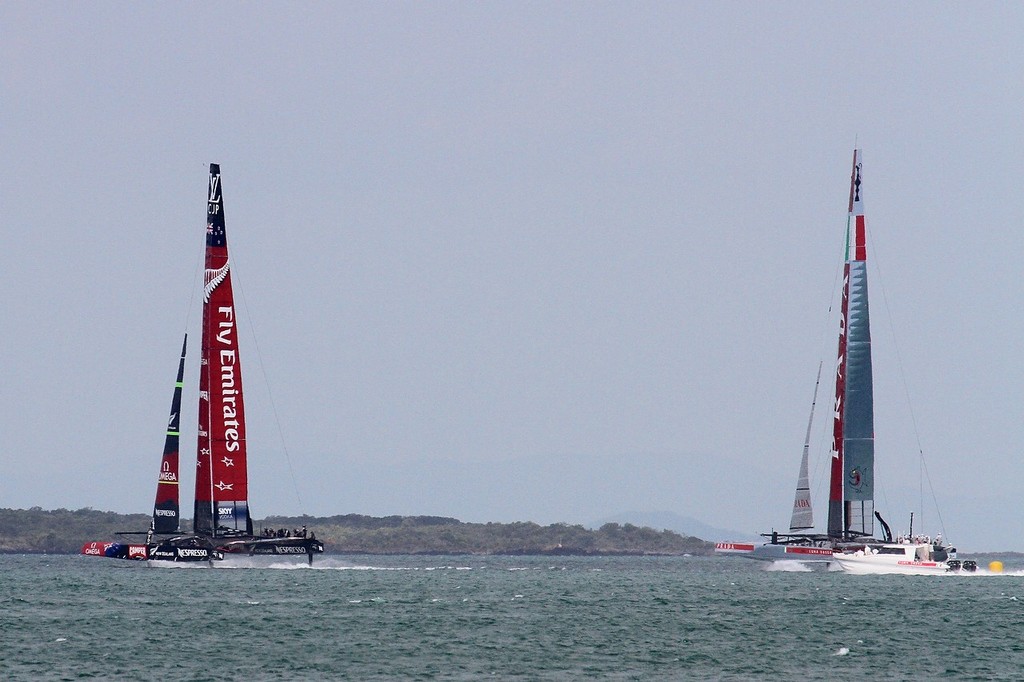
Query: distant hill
{"type": "Point", "coordinates": [685, 525]}
{"type": "Point", "coordinates": [62, 531]}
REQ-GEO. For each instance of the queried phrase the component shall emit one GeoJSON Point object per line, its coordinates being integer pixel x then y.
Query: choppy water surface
{"type": "Point", "coordinates": [469, 618]}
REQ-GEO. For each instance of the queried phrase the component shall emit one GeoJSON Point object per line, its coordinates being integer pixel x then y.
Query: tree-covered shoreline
{"type": "Point", "coordinates": [63, 531]}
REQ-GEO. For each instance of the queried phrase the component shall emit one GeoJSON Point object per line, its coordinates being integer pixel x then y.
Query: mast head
{"type": "Point", "coordinates": [856, 234]}
{"type": "Point", "coordinates": [856, 201]}
{"type": "Point", "coordinates": [215, 235]}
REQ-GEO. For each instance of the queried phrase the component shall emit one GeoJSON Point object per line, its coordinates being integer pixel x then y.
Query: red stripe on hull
{"type": "Point", "coordinates": [816, 551]}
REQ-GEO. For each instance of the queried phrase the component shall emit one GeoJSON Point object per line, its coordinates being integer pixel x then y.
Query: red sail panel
{"type": "Point", "coordinates": [860, 241]}
{"type": "Point", "coordinates": [166, 507]}
{"type": "Point", "coordinates": [835, 496]}
{"type": "Point", "coordinates": [221, 479]}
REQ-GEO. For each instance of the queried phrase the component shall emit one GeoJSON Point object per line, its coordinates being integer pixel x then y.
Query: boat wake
{"type": "Point", "coordinates": [996, 574]}
{"type": "Point", "coordinates": [176, 564]}
{"type": "Point", "coordinates": [788, 566]}
{"type": "Point", "coordinates": [329, 564]}
{"type": "Point", "coordinates": [978, 573]}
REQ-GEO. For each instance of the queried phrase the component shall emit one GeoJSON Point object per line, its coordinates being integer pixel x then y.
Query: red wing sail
{"type": "Point", "coordinates": [835, 495]}
{"type": "Point", "coordinates": [851, 490]}
{"type": "Point", "coordinates": [166, 508]}
{"type": "Point", "coordinates": [222, 497]}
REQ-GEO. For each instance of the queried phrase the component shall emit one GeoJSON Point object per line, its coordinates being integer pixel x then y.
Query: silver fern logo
{"type": "Point", "coordinates": [213, 279]}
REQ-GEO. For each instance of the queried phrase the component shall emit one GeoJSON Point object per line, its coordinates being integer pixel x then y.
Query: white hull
{"type": "Point", "coordinates": [871, 565]}
{"type": "Point", "coordinates": [903, 559]}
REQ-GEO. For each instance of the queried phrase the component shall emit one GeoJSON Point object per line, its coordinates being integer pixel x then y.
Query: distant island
{"type": "Point", "coordinates": [63, 531]}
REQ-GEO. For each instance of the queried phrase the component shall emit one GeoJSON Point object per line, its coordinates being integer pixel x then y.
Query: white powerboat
{"type": "Point", "coordinates": [908, 556]}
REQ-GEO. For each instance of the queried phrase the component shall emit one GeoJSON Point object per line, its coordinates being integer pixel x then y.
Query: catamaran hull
{"type": "Point", "coordinates": [279, 547]}
{"type": "Point", "coordinates": [201, 549]}
{"type": "Point", "coordinates": [770, 552]}
{"type": "Point", "coordinates": [294, 546]}
{"type": "Point", "coordinates": [185, 554]}
{"type": "Point", "coordinates": [116, 550]}
{"type": "Point", "coordinates": [161, 552]}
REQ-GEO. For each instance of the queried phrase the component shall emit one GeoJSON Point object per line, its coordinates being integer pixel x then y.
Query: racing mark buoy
{"type": "Point", "coordinates": [995, 566]}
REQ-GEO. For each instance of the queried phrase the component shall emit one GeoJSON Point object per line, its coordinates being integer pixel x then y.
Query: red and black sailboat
{"type": "Point", "coordinates": [222, 523]}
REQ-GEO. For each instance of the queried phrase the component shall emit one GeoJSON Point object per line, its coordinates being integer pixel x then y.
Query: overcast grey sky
{"type": "Point", "coordinates": [515, 261]}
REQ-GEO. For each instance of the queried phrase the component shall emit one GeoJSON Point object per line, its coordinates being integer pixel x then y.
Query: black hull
{"type": "Point", "coordinates": [182, 548]}
{"type": "Point", "coordinates": [260, 546]}
{"type": "Point", "coordinates": [187, 549]}
{"type": "Point", "coordinates": [203, 548]}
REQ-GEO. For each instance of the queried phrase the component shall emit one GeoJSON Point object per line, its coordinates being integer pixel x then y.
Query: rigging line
{"type": "Point", "coordinates": [270, 394]}
{"type": "Point", "coordinates": [199, 284]}
{"type": "Point", "coordinates": [906, 392]}
{"type": "Point", "coordinates": [935, 501]}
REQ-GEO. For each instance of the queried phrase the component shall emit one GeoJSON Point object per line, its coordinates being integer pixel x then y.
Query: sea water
{"type": "Point", "coordinates": [502, 618]}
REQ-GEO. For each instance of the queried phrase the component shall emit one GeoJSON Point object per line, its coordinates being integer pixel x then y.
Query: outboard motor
{"type": "Point", "coordinates": [970, 566]}
{"type": "Point", "coordinates": [953, 565]}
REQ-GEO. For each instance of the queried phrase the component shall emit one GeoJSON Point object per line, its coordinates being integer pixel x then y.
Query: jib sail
{"type": "Point", "coordinates": [166, 508]}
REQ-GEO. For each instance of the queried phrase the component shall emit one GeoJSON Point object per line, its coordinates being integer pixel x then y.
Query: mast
{"type": "Point", "coordinates": [165, 509]}
{"type": "Point", "coordinates": [851, 489]}
{"type": "Point", "coordinates": [803, 513]}
{"type": "Point", "coordinates": [222, 504]}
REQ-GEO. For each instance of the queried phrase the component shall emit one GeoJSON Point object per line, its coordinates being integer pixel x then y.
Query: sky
{"type": "Point", "coordinates": [516, 261]}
